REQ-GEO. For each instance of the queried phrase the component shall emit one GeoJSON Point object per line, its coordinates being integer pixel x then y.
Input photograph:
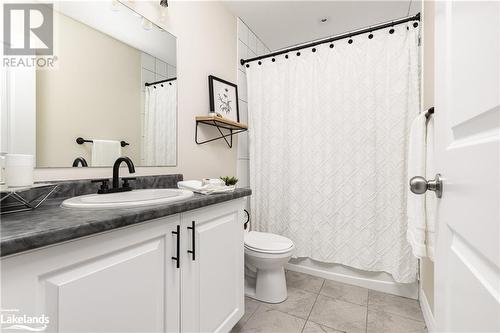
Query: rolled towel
{"type": "Point", "coordinates": [198, 187]}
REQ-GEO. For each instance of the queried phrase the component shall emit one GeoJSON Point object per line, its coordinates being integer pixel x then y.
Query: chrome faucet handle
{"type": "Point", "coordinates": [419, 185]}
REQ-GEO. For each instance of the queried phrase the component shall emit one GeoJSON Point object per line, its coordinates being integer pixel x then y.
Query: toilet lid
{"type": "Point", "coordinates": [264, 241]}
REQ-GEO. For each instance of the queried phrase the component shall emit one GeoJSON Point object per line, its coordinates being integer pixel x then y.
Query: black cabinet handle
{"type": "Point", "coordinates": [178, 234]}
{"type": "Point", "coordinates": [192, 239]}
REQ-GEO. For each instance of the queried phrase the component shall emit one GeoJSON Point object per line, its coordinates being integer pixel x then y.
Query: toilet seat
{"type": "Point", "coordinates": [265, 242]}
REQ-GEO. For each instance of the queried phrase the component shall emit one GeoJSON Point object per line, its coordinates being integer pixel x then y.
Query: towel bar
{"type": "Point", "coordinates": [81, 141]}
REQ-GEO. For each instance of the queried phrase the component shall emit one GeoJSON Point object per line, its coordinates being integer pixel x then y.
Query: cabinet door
{"type": "Point", "coordinates": [120, 281]}
{"type": "Point", "coordinates": [212, 277]}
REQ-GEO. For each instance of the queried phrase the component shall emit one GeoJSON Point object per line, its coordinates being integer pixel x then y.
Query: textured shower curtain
{"type": "Point", "coordinates": [160, 125]}
{"type": "Point", "coordinates": [328, 138]}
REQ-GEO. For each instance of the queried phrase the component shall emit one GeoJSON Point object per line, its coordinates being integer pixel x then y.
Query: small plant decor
{"type": "Point", "coordinates": [229, 180]}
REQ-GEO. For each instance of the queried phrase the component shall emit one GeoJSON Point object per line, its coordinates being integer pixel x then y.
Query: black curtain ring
{"type": "Point", "coordinates": [162, 85]}
{"type": "Point", "coordinates": [370, 36]}
{"type": "Point", "coordinates": [154, 87]}
{"type": "Point", "coordinates": [298, 54]}
{"type": "Point", "coordinates": [273, 60]}
{"type": "Point", "coordinates": [331, 45]}
{"type": "Point", "coordinates": [392, 28]}
{"type": "Point", "coordinates": [260, 62]}
{"type": "Point", "coordinates": [286, 56]}
{"type": "Point", "coordinates": [314, 49]}
{"type": "Point", "coordinates": [415, 24]}
{"type": "Point", "coordinates": [248, 65]}
{"type": "Point", "coordinates": [350, 41]}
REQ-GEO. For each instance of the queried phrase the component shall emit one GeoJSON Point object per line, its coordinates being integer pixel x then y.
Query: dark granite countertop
{"type": "Point", "coordinates": [51, 224]}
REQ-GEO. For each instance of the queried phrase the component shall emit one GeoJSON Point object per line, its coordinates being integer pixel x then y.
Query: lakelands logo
{"type": "Point", "coordinates": [28, 35]}
{"type": "Point", "coordinates": [10, 319]}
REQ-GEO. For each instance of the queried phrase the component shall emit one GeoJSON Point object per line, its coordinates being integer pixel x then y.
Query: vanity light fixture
{"type": "Point", "coordinates": [164, 3]}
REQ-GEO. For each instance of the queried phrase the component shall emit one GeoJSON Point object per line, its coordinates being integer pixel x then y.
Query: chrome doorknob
{"type": "Point", "coordinates": [419, 185]}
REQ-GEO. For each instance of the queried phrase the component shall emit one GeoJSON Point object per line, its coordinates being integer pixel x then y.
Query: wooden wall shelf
{"type": "Point", "coordinates": [220, 123]}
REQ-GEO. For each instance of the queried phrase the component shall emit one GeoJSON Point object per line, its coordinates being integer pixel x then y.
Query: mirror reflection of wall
{"type": "Point", "coordinates": [106, 56]}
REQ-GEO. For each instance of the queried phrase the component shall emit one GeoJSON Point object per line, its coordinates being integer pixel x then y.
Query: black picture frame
{"type": "Point", "coordinates": [212, 96]}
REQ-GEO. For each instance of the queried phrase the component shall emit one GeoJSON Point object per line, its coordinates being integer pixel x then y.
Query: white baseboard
{"type": "Point", "coordinates": [427, 312]}
{"type": "Point", "coordinates": [359, 278]}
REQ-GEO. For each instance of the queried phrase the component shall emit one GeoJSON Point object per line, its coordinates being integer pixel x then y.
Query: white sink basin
{"type": "Point", "coordinates": [130, 199]}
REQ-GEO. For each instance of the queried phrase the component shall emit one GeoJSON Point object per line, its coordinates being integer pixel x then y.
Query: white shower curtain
{"type": "Point", "coordinates": [160, 125]}
{"type": "Point", "coordinates": [328, 136]}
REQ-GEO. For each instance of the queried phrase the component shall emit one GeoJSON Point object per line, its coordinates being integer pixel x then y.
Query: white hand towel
{"type": "Point", "coordinates": [198, 187]}
{"type": "Point", "coordinates": [430, 197]}
{"type": "Point", "coordinates": [416, 203]}
{"type": "Point", "coordinates": [105, 152]}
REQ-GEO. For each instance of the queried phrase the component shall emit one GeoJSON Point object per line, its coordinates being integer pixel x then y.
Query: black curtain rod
{"type": "Point", "coordinates": [157, 82]}
{"type": "Point", "coordinates": [334, 38]}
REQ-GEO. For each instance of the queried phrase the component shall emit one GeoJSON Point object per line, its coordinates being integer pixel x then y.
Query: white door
{"type": "Point", "coordinates": [212, 293]}
{"type": "Point", "coordinates": [467, 122]}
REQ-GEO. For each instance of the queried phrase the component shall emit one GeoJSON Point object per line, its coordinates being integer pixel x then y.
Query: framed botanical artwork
{"type": "Point", "coordinates": [223, 98]}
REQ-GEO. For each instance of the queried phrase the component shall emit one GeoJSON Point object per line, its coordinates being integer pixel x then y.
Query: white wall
{"type": "Point", "coordinates": [206, 35]}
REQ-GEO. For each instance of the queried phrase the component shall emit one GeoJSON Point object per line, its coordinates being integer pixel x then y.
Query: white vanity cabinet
{"type": "Point", "coordinates": [126, 280]}
{"type": "Point", "coordinates": [212, 274]}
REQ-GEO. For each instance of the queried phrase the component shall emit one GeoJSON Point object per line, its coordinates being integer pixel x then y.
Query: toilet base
{"type": "Point", "coordinates": [269, 285]}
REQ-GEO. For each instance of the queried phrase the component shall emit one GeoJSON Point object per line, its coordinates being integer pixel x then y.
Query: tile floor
{"type": "Point", "coordinates": [317, 305]}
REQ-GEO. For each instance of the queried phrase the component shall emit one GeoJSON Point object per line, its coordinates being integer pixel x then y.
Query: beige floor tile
{"type": "Point", "coordinates": [402, 306]}
{"type": "Point", "coordinates": [345, 292]}
{"type": "Point", "coordinates": [299, 303]}
{"type": "Point", "coordinates": [384, 322]}
{"type": "Point", "coordinates": [304, 281]}
{"type": "Point", "coordinates": [267, 320]}
{"type": "Point", "coordinates": [340, 315]}
{"type": "Point", "coordinates": [237, 328]}
{"type": "Point", "coordinates": [250, 307]}
{"type": "Point", "coordinates": [317, 328]}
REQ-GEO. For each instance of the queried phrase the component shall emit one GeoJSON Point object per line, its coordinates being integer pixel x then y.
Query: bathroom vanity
{"type": "Point", "coordinates": [172, 268]}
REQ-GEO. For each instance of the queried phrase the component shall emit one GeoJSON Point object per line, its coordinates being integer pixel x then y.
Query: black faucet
{"type": "Point", "coordinates": [116, 178]}
{"type": "Point", "coordinates": [80, 160]}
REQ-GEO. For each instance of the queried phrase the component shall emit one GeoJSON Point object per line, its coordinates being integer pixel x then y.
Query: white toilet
{"type": "Point", "coordinates": [265, 256]}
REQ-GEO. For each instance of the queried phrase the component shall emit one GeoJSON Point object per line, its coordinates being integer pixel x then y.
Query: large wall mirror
{"type": "Point", "coordinates": [112, 92]}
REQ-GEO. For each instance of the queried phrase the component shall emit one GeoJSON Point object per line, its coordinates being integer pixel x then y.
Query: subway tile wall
{"type": "Point", "coordinates": [249, 45]}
